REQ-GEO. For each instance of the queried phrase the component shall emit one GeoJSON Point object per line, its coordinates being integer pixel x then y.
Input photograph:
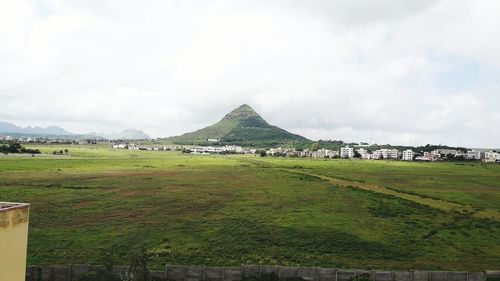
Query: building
{"type": "Point", "coordinates": [474, 155]}
{"type": "Point", "coordinates": [408, 155]}
{"type": "Point", "coordinates": [13, 240]}
{"type": "Point", "coordinates": [364, 153]}
{"type": "Point", "coordinates": [446, 152]}
{"type": "Point", "coordinates": [491, 156]}
{"type": "Point", "coordinates": [385, 153]}
{"type": "Point", "coordinates": [346, 152]}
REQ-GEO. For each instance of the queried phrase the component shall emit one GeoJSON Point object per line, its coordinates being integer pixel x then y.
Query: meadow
{"type": "Point", "coordinates": [233, 210]}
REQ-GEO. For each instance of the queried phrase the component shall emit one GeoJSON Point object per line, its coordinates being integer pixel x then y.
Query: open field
{"type": "Point", "coordinates": [232, 210]}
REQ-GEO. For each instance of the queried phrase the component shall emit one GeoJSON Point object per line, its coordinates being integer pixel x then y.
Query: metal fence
{"type": "Point", "coordinates": [218, 273]}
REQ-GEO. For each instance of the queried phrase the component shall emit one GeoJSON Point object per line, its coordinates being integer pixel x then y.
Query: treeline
{"type": "Point", "coordinates": [17, 148]}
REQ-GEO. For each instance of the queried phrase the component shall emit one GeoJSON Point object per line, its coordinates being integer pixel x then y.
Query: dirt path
{"type": "Point", "coordinates": [434, 203]}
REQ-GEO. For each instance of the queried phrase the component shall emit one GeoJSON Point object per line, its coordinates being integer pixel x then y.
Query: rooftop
{"type": "Point", "coordinates": [6, 206]}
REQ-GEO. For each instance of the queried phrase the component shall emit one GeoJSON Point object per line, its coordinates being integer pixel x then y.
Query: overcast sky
{"type": "Point", "coordinates": [386, 71]}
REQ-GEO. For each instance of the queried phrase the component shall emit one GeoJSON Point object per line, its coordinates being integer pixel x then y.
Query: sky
{"type": "Point", "coordinates": [386, 71]}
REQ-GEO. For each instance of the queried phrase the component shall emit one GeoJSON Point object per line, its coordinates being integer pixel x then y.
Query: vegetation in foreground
{"type": "Point", "coordinates": [232, 210]}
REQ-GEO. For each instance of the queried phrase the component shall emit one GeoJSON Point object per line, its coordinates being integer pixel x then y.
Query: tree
{"type": "Point", "coordinates": [314, 146]}
{"type": "Point", "coordinates": [139, 266]}
{"type": "Point", "coordinates": [66, 150]}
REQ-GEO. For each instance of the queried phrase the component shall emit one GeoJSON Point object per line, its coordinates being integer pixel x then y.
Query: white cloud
{"type": "Point", "coordinates": [353, 70]}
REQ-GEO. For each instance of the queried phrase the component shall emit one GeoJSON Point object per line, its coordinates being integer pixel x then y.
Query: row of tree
{"type": "Point", "coordinates": [17, 148]}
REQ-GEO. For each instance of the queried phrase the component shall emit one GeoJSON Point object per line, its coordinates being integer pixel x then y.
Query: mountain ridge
{"type": "Point", "coordinates": [6, 127]}
{"type": "Point", "coordinates": [58, 132]}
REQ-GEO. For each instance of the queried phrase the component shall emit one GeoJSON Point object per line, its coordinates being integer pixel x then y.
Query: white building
{"type": "Point", "coordinates": [364, 153]}
{"type": "Point", "coordinates": [408, 155]}
{"type": "Point", "coordinates": [385, 153]}
{"type": "Point", "coordinates": [346, 152]}
{"type": "Point", "coordinates": [491, 156]}
{"type": "Point", "coordinates": [474, 155]}
{"type": "Point", "coordinates": [325, 153]}
{"type": "Point", "coordinates": [446, 152]}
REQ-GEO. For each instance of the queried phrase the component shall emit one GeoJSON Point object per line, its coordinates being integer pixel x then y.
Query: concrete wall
{"type": "Point", "coordinates": [13, 240]}
{"type": "Point", "coordinates": [217, 273]}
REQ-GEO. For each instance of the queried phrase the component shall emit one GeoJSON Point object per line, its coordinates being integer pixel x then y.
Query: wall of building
{"type": "Point", "coordinates": [13, 242]}
{"type": "Point", "coordinates": [217, 273]}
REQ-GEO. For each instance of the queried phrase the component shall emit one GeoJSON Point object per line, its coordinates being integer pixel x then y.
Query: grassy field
{"type": "Point", "coordinates": [232, 210]}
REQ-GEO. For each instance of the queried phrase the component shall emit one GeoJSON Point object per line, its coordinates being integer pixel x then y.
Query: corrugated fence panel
{"type": "Point", "coordinates": [158, 274]}
{"type": "Point", "coordinates": [420, 275]}
{"type": "Point", "coordinates": [326, 274]}
{"type": "Point", "coordinates": [362, 272]}
{"type": "Point", "coordinates": [402, 275]}
{"type": "Point", "coordinates": [269, 269]}
{"type": "Point", "coordinates": [345, 274]}
{"type": "Point", "coordinates": [46, 273]}
{"type": "Point", "coordinates": [383, 276]}
{"type": "Point", "coordinates": [493, 274]}
{"type": "Point", "coordinates": [60, 273]}
{"type": "Point", "coordinates": [251, 270]}
{"type": "Point", "coordinates": [477, 276]}
{"type": "Point", "coordinates": [176, 272]}
{"type": "Point", "coordinates": [213, 273]}
{"type": "Point", "coordinates": [288, 271]}
{"type": "Point", "coordinates": [232, 273]}
{"type": "Point", "coordinates": [195, 273]}
{"type": "Point", "coordinates": [308, 273]}
{"type": "Point", "coordinates": [122, 270]}
{"type": "Point", "coordinates": [447, 276]}
{"type": "Point", "coordinates": [76, 270]}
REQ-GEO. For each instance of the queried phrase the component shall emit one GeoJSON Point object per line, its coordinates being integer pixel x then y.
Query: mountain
{"type": "Point", "coordinates": [6, 127]}
{"type": "Point", "coordinates": [128, 134]}
{"type": "Point", "coordinates": [242, 126]}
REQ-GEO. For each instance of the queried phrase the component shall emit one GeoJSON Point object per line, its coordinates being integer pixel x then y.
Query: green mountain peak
{"type": "Point", "coordinates": [242, 126]}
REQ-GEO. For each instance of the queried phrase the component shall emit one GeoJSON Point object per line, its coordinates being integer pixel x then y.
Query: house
{"type": "Point", "coordinates": [346, 152]}
{"type": "Point", "coordinates": [408, 155]}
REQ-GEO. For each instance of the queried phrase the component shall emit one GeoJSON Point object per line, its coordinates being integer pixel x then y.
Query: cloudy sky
{"type": "Point", "coordinates": [386, 71]}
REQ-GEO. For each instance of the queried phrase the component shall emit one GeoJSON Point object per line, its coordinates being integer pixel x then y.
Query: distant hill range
{"type": "Point", "coordinates": [127, 134]}
{"type": "Point", "coordinates": [53, 132]}
{"type": "Point", "coordinates": [242, 126]}
{"type": "Point", "coordinates": [6, 127]}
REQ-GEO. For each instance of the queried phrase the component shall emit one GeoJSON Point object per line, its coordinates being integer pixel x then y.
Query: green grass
{"type": "Point", "coordinates": [231, 210]}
